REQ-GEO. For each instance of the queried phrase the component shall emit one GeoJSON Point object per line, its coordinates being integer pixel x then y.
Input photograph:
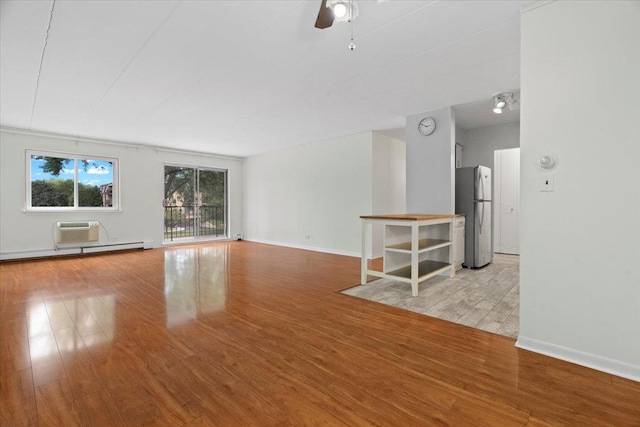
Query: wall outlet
{"type": "Point", "coordinates": [547, 183]}
{"type": "Point", "coordinates": [307, 236]}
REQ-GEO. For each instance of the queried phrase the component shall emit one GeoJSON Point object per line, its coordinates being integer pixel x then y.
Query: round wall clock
{"type": "Point", "coordinates": [427, 126]}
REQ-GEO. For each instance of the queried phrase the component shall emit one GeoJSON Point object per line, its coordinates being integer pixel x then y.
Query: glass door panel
{"type": "Point", "coordinates": [195, 203]}
{"type": "Point", "coordinates": [179, 191]}
{"type": "Point", "coordinates": [212, 203]}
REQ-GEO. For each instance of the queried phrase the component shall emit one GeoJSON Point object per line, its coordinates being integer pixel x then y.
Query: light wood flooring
{"type": "Point", "coordinates": [243, 334]}
{"type": "Point", "coordinates": [486, 298]}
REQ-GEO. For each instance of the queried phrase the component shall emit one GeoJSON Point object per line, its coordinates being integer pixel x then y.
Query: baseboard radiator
{"type": "Point", "coordinates": [77, 232]}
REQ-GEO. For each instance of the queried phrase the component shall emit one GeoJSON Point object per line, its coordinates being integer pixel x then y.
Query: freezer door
{"type": "Point", "coordinates": [483, 183]}
{"type": "Point", "coordinates": [483, 252]}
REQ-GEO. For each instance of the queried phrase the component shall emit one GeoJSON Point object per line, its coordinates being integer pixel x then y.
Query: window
{"type": "Point", "coordinates": [70, 182]}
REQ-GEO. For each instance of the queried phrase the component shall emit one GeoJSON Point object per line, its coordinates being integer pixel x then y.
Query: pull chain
{"type": "Point", "coordinates": [352, 45]}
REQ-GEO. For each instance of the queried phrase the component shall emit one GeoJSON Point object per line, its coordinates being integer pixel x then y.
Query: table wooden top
{"type": "Point", "coordinates": [410, 217]}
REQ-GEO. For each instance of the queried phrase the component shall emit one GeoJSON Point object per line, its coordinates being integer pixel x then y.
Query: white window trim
{"type": "Point", "coordinates": [115, 161]}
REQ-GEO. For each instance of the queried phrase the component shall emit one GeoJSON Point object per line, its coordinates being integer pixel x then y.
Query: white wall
{"type": "Point", "coordinates": [580, 281]}
{"type": "Point", "coordinates": [389, 174]}
{"type": "Point", "coordinates": [389, 180]}
{"type": "Point", "coordinates": [142, 187]}
{"type": "Point", "coordinates": [461, 136]}
{"type": "Point", "coordinates": [430, 164]}
{"type": "Point", "coordinates": [482, 142]}
{"type": "Point", "coordinates": [317, 190]}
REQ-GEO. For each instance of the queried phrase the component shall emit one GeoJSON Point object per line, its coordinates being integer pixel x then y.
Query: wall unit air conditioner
{"type": "Point", "coordinates": [77, 232]}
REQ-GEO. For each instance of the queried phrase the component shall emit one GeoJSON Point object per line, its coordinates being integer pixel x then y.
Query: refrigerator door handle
{"type": "Point", "coordinates": [481, 217]}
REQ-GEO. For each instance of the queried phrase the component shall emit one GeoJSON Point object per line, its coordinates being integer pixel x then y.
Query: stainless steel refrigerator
{"type": "Point", "coordinates": [473, 198]}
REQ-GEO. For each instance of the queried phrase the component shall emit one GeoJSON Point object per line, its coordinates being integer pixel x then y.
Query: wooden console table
{"type": "Point", "coordinates": [408, 240]}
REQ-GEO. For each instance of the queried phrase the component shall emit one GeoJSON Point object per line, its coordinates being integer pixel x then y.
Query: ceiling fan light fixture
{"type": "Point", "coordinates": [339, 9]}
{"type": "Point", "coordinates": [500, 104]}
{"type": "Point", "coordinates": [497, 110]}
{"type": "Point", "coordinates": [343, 11]}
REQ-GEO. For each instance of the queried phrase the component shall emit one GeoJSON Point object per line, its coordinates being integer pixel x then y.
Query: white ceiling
{"type": "Point", "coordinates": [243, 77]}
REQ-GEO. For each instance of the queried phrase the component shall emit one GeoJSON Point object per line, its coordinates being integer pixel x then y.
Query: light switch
{"type": "Point", "coordinates": [546, 182]}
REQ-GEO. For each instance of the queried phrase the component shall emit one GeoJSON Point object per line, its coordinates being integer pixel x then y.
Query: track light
{"type": "Point", "coordinates": [503, 100]}
{"type": "Point", "coordinates": [499, 103]}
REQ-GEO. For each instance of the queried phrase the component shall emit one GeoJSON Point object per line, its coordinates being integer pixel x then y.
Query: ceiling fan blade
{"type": "Point", "coordinates": [325, 16]}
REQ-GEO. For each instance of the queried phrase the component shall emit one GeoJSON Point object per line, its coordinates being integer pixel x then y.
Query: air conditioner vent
{"type": "Point", "coordinates": [77, 232]}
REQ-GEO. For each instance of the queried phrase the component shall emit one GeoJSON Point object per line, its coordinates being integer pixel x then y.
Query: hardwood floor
{"type": "Point", "coordinates": [240, 333]}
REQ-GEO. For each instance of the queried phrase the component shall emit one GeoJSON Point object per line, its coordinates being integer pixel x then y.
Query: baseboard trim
{"type": "Point", "coordinates": [304, 247]}
{"type": "Point", "coordinates": [599, 363]}
{"type": "Point", "coordinates": [49, 253]}
{"type": "Point", "coordinates": [43, 253]}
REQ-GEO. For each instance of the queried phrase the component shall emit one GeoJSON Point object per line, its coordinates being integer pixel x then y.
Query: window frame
{"type": "Point", "coordinates": [76, 157]}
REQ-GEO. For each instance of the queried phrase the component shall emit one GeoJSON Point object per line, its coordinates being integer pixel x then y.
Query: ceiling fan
{"type": "Point", "coordinates": [336, 10]}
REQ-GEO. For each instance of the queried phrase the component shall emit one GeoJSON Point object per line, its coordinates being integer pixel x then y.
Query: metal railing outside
{"type": "Point", "coordinates": [194, 221]}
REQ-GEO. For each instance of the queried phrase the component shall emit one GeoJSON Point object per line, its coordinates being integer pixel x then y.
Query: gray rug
{"type": "Point", "coordinates": [486, 299]}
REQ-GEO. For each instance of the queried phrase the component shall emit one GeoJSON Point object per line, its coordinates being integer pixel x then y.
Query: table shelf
{"type": "Point", "coordinates": [424, 245]}
{"type": "Point", "coordinates": [426, 270]}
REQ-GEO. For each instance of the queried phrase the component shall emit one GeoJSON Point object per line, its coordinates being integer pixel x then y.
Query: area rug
{"type": "Point", "coordinates": [487, 298]}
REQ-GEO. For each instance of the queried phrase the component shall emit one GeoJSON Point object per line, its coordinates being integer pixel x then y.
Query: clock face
{"type": "Point", "coordinates": [427, 126]}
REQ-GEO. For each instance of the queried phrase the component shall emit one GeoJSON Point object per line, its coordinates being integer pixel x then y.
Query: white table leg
{"type": "Point", "coordinates": [414, 260]}
{"type": "Point", "coordinates": [363, 261]}
{"type": "Point", "coordinates": [452, 249]}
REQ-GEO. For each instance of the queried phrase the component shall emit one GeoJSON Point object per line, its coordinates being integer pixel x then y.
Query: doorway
{"type": "Point", "coordinates": [195, 203]}
{"type": "Point", "coordinates": [506, 165]}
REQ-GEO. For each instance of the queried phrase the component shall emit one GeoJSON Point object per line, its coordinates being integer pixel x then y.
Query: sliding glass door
{"type": "Point", "coordinates": [195, 203]}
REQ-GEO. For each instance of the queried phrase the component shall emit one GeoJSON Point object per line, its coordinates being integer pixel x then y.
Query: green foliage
{"type": "Point", "coordinates": [212, 188]}
{"type": "Point", "coordinates": [180, 185]}
{"type": "Point", "coordinates": [55, 165]}
{"type": "Point", "coordinates": [174, 217]}
{"type": "Point", "coordinates": [55, 192]}
{"type": "Point", "coordinates": [59, 192]}
{"type": "Point", "coordinates": [89, 195]}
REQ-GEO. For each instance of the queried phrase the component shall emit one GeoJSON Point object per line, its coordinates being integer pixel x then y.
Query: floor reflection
{"type": "Point", "coordinates": [195, 282]}
{"type": "Point", "coordinates": [69, 323]}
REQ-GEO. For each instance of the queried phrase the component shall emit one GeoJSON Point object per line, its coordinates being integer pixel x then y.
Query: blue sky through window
{"type": "Point", "coordinates": [98, 172]}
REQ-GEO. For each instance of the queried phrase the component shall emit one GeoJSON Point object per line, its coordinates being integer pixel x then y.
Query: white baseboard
{"type": "Point", "coordinates": [306, 248]}
{"type": "Point", "coordinates": [46, 253]}
{"type": "Point", "coordinates": [604, 364]}
{"type": "Point", "coordinates": [42, 253]}
{"type": "Point", "coordinates": [114, 247]}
